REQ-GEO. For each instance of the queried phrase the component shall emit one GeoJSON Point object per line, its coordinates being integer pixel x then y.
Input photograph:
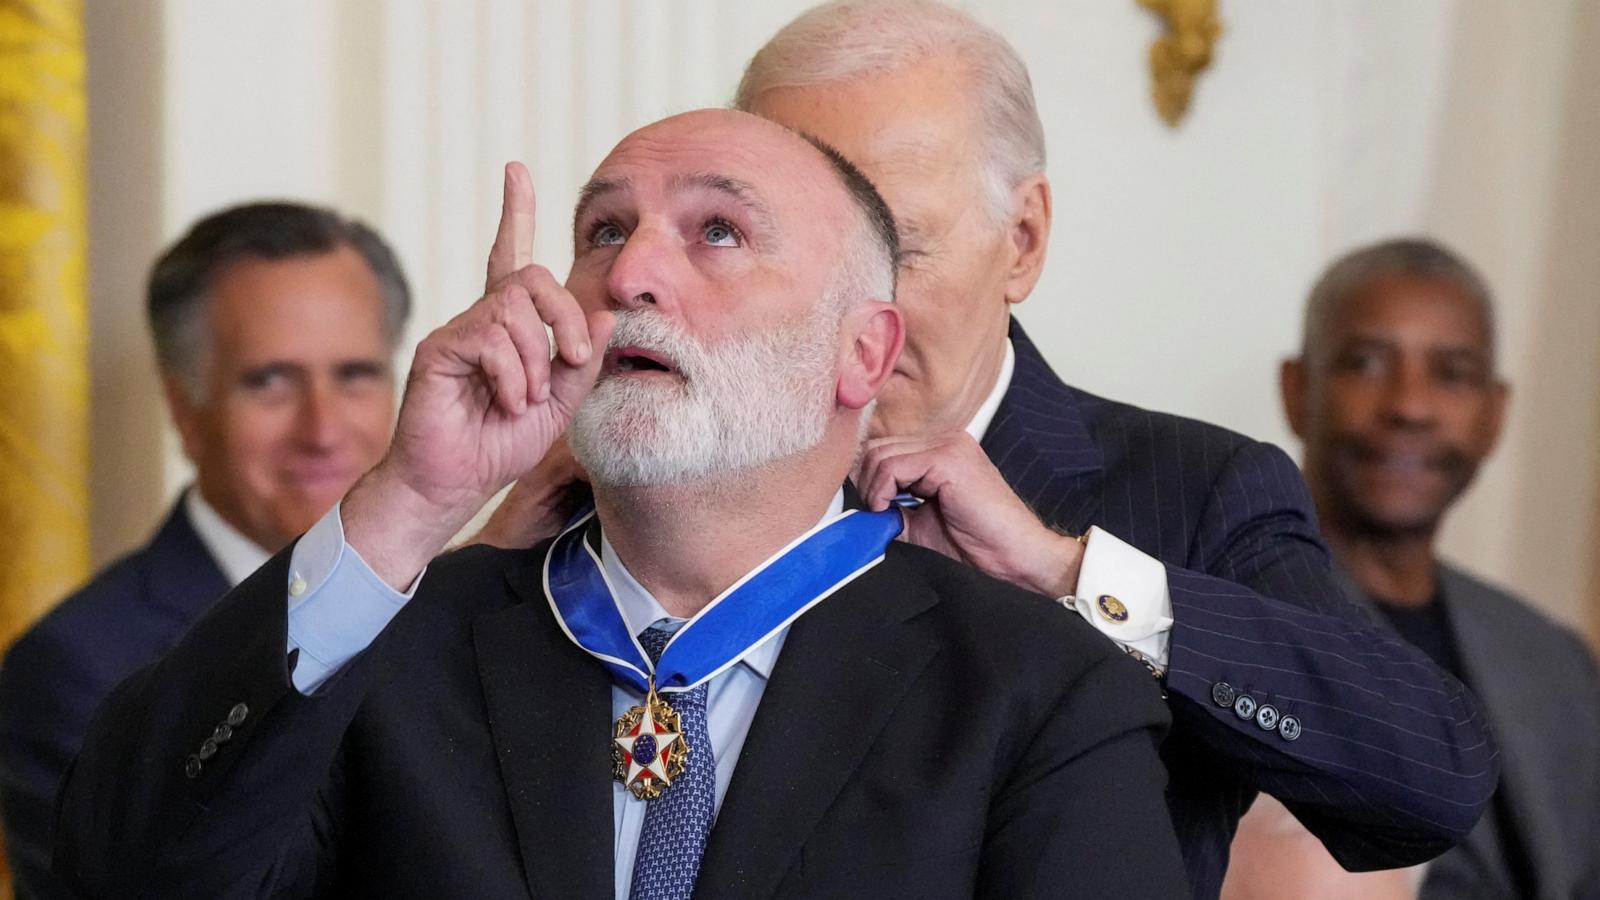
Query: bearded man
{"type": "Point", "coordinates": [1186, 544]}
{"type": "Point", "coordinates": [803, 708]}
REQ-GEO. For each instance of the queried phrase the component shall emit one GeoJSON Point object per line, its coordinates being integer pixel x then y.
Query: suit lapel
{"type": "Point", "coordinates": [1041, 444]}
{"type": "Point", "coordinates": [844, 668]}
{"type": "Point", "coordinates": [183, 576]}
{"type": "Point", "coordinates": [549, 710]}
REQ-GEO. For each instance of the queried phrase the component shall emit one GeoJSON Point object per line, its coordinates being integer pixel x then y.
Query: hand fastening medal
{"type": "Point", "coordinates": [647, 745]}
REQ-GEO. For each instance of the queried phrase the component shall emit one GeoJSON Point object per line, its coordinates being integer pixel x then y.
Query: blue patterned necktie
{"type": "Point", "coordinates": [676, 824]}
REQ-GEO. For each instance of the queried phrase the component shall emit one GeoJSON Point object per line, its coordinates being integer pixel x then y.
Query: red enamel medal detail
{"type": "Point", "coordinates": [647, 748]}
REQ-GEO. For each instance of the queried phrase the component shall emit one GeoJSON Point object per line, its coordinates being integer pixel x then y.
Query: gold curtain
{"type": "Point", "coordinates": [44, 381]}
{"type": "Point", "coordinates": [44, 459]}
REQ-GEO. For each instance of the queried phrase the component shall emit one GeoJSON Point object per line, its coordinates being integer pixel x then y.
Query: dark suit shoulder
{"type": "Point", "coordinates": [99, 624]}
{"type": "Point", "coordinates": [1523, 630]}
{"type": "Point", "coordinates": [472, 579]}
{"type": "Point", "coordinates": [1122, 430]}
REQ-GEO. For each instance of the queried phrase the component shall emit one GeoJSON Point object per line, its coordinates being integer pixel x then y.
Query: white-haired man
{"type": "Point", "coordinates": [1201, 554]}
{"type": "Point", "coordinates": [856, 717]}
{"type": "Point", "coordinates": [1199, 550]}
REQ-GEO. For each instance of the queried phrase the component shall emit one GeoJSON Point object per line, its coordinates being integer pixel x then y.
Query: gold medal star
{"type": "Point", "coordinates": [655, 756]}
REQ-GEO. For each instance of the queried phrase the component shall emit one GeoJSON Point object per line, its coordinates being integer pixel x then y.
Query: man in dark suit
{"type": "Point", "coordinates": [1396, 396]}
{"type": "Point", "coordinates": [274, 326]}
{"type": "Point", "coordinates": [862, 718]}
{"type": "Point", "coordinates": [1199, 549]}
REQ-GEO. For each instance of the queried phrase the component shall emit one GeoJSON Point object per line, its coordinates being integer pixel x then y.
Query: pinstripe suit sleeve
{"type": "Point", "coordinates": [1394, 762]}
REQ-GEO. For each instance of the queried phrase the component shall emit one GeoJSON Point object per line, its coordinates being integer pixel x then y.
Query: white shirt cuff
{"type": "Point", "coordinates": [337, 605]}
{"type": "Point", "coordinates": [1123, 593]}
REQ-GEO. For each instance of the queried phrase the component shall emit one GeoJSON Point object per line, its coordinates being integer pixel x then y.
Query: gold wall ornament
{"type": "Point", "coordinates": [1184, 51]}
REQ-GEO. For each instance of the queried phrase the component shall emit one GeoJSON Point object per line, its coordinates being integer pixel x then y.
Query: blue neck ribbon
{"type": "Point", "coordinates": [741, 618]}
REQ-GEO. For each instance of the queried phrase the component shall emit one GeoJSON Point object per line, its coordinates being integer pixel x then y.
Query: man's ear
{"type": "Point", "coordinates": [875, 332]}
{"type": "Point", "coordinates": [1029, 234]}
{"type": "Point", "coordinates": [185, 413]}
{"type": "Point", "coordinates": [1499, 397]}
{"type": "Point", "coordinates": [1292, 388]}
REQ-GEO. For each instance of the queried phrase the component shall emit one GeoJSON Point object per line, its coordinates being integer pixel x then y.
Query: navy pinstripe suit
{"type": "Point", "coordinates": [1393, 764]}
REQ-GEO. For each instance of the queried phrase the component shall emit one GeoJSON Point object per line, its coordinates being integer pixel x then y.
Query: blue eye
{"type": "Point", "coordinates": [721, 234]}
{"type": "Point", "coordinates": [605, 234]}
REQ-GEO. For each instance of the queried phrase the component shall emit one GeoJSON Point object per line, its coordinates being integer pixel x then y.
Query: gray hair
{"type": "Point", "coordinates": [183, 277]}
{"type": "Point", "coordinates": [854, 38]}
{"type": "Point", "coordinates": [1417, 257]}
{"type": "Point", "coordinates": [869, 268]}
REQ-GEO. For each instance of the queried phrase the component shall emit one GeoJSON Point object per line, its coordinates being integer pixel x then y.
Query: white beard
{"type": "Point", "coordinates": [743, 402]}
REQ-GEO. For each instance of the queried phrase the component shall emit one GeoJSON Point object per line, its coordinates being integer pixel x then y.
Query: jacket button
{"type": "Point", "coordinates": [222, 734]}
{"type": "Point", "coordinates": [1267, 717]}
{"type": "Point", "coordinates": [208, 749]}
{"type": "Point", "coordinates": [1222, 694]}
{"type": "Point", "coordinates": [1245, 706]}
{"type": "Point", "coordinates": [238, 714]}
{"type": "Point", "coordinates": [192, 767]}
{"type": "Point", "coordinates": [1289, 728]}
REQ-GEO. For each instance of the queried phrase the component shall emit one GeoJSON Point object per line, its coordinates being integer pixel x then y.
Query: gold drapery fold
{"type": "Point", "coordinates": [44, 375]}
{"type": "Point", "coordinates": [44, 378]}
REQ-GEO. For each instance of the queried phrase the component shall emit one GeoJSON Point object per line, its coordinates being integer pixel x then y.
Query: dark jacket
{"type": "Point", "coordinates": [58, 672]}
{"type": "Point", "coordinates": [1392, 763]}
{"type": "Point", "coordinates": [927, 732]}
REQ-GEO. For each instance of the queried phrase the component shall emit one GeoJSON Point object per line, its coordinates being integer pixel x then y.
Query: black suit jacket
{"type": "Point", "coordinates": [927, 732]}
{"type": "Point", "coordinates": [1394, 763]}
{"type": "Point", "coordinates": [58, 672]}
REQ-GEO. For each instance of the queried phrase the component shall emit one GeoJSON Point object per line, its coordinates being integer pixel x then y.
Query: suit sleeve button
{"type": "Point", "coordinates": [1289, 728]}
{"type": "Point", "coordinates": [1267, 717]}
{"type": "Point", "coordinates": [1222, 694]}
{"type": "Point", "coordinates": [238, 714]}
{"type": "Point", "coordinates": [208, 749]}
{"type": "Point", "coordinates": [192, 768]}
{"type": "Point", "coordinates": [222, 734]}
{"type": "Point", "coordinates": [1245, 706]}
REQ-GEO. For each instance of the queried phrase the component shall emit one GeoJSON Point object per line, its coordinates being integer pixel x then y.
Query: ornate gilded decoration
{"type": "Point", "coordinates": [647, 748]}
{"type": "Point", "coordinates": [1179, 56]}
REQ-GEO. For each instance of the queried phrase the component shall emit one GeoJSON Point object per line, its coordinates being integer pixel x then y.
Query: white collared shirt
{"type": "Point", "coordinates": [235, 554]}
{"type": "Point", "coordinates": [979, 425]}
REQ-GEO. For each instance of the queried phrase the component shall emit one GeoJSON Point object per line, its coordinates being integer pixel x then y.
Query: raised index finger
{"type": "Point", "coordinates": [513, 243]}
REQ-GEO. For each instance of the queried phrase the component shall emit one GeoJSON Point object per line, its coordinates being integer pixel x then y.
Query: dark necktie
{"type": "Point", "coordinates": [676, 824]}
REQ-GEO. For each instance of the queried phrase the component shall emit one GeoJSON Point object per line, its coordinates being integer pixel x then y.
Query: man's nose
{"type": "Point", "coordinates": [319, 421]}
{"type": "Point", "coordinates": [644, 271]}
{"type": "Point", "coordinates": [1409, 397]}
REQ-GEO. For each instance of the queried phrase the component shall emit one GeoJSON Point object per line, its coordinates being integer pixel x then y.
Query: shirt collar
{"type": "Point", "coordinates": [236, 555]}
{"type": "Point", "coordinates": [991, 404]}
{"type": "Point", "coordinates": [641, 611]}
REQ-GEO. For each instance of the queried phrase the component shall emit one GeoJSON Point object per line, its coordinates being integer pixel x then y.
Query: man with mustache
{"type": "Point", "coordinates": [1191, 546]}
{"type": "Point", "coordinates": [722, 682]}
{"type": "Point", "coordinates": [1396, 396]}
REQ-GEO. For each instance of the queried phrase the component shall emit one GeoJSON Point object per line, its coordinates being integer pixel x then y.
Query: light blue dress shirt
{"type": "Point", "coordinates": [338, 606]}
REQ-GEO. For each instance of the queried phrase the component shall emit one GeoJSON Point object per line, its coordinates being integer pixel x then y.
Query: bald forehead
{"type": "Point", "coordinates": [761, 165]}
{"type": "Point", "coordinates": [727, 136]}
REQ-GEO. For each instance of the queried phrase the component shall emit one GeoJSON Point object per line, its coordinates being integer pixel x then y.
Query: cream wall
{"type": "Point", "coordinates": [1179, 259]}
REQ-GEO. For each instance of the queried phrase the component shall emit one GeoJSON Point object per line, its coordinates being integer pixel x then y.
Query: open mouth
{"type": "Point", "coordinates": [637, 360]}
